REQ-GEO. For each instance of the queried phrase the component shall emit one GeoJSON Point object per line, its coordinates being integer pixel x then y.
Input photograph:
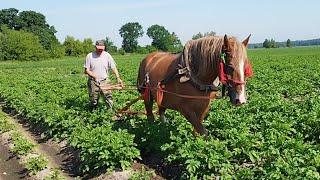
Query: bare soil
{"type": "Point", "coordinates": [67, 159]}
{"type": "Point", "coordinates": [10, 169]}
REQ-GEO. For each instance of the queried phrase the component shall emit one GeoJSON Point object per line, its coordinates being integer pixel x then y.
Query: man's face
{"type": "Point", "coordinates": [99, 49]}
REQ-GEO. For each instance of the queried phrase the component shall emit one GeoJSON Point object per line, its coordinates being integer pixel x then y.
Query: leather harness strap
{"type": "Point", "coordinates": [184, 69]}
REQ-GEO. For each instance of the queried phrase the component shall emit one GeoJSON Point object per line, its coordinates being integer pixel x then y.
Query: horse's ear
{"type": "Point", "coordinates": [225, 40]}
{"type": "Point", "coordinates": [245, 42]}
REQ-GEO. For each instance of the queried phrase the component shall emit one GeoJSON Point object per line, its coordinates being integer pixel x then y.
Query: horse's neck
{"type": "Point", "coordinates": [209, 74]}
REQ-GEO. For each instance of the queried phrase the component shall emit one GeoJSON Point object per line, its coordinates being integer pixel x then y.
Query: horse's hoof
{"type": "Point", "coordinates": [151, 119]}
{"type": "Point", "coordinates": [164, 119]}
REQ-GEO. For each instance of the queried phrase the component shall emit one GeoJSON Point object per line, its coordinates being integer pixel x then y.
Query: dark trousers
{"type": "Point", "coordinates": [95, 92]}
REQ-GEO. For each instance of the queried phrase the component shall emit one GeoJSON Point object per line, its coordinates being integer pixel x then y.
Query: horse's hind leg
{"type": "Point", "coordinates": [148, 105]}
{"type": "Point", "coordinates": [161, 113]}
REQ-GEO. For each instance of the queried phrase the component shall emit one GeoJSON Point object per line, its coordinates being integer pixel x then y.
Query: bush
{"type": "Point", "coordinates": [73, 47]}
{"type": "Point", "coordinates": [77, 48]}
{"type": "Point", "coordinates": [142, 50]}
{"type": "Point", "coordinates": [1, 48]}
{"type": "Point", "coordinates": [121, 51]}
{"type": "Point", "coordinates": [151, 48]}
{"type": "Point", "coordinates": [57, 51]}
{"type": "Point", "coordinates": [112, 49]}
{"type": "Point", "coordinates": [87, 46]}
{"type": "Point", "coordinates": [20, 45]}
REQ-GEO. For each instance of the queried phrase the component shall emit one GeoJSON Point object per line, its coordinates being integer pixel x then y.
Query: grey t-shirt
{"type": "Point", "coordinates": [99, 65]}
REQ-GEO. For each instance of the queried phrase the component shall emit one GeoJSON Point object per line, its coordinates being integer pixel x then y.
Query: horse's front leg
{"type": "Point", "coordinates": [201, 115]}
{"type": "Point", "coordinates": [162, 114]}
{"type": "Point", "coordinates": [148, 105]}
{"type": "Point", "coordinates": [194, 120]}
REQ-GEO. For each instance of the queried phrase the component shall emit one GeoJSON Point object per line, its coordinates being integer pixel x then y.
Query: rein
{"type": "Point", "coordinates": [146, 96]}
{"type": "Point", "coordinates": [160, 91]}
{"type": "Point", "coordinates": [148, 88]}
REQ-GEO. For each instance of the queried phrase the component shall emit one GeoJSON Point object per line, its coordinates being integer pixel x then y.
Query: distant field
{"type": "Point", "coordinates": [275, 135]}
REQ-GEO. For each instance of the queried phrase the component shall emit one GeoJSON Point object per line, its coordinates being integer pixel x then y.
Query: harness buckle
{"type": "Point", "coordinates": [183, 70]}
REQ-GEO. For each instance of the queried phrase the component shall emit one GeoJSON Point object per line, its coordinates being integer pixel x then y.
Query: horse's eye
{"type": "Point", "coordinates": [229, 69]}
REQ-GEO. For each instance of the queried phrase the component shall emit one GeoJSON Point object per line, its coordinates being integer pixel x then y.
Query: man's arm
{"type": "Point", "coordinates": [116, 73]}
{"type": "Point", "coordinates": [90, 73]}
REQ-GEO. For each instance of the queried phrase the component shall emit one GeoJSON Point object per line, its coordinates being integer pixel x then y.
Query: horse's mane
{"type": "Point", "coordinates": [202, 54]}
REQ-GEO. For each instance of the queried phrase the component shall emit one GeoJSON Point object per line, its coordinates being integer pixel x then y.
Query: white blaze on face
{"type": "Point", "coordinates": [241, 96]}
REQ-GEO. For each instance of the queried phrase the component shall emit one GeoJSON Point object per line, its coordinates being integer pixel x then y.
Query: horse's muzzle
{"type": "Point", "coordinates": [238, 103]}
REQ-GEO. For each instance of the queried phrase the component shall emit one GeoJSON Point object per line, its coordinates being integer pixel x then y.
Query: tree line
{"type": "Point", "coordinates": [26, 35]}
{"type": "Point", "coordinates": [271, 43]}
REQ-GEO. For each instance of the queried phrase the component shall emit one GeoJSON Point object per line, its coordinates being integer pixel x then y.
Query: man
{"type": "Point", "coordinates": [97, 66]}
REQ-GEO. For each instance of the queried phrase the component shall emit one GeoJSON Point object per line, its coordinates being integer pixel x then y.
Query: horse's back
{"type": "Point", "coordinates": [157, 65]}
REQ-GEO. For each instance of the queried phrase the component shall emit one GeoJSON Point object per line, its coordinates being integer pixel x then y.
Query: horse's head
{"type": "Point", "coordinates": [236, 69]}
{"type": "Point", "coordinates": [229, 60]}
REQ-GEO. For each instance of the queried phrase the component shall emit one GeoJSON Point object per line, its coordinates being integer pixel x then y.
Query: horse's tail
{"type": "Point", "coordinates": [141, 77]}
{"type": "Point", "coordinates": [143, 82]}
{"type": "Point", "coordinates": [139, 84]}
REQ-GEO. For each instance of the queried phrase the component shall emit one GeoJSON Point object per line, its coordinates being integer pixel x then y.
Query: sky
{"type": "Point", "coordinates": [96, 19]}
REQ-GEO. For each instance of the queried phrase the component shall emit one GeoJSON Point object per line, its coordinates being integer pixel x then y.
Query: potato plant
{"type": "Point", "coordinates": [274, 136]}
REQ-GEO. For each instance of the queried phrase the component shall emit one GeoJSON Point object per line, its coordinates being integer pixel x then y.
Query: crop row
{"type": "Point", "coordinates": [275, 135]}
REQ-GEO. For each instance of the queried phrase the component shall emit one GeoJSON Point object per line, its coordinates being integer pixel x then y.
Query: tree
{"type": "Point", "coordinates": [176, 45]}
{"type": "Point", "coordinates": [29, 19]}
{"type": "Point", "coordinates": [57, 51]}
{"type": "Point", "coordinates": [200, 35]}
{"type": "Point", "coordinates": [211, 33]}
{"type": "Point", "coordinates": [266, 43]}
{"type": "Point", "coordinates": [288, 43]}
{"type": "Point", "coordinates": [1, 42]}
{"type": "Point", "coordinates": [110, 47]}
{"type": "Point", "coordinates": [35, 23]}
{"type": "Point", "coordinates": [270, 43]}
{"type": "Point", "coordinates": [87, 46]}
{"type": "Point", "coordinates": [73, 47]}
{"type": "Point", "coordinates": [161, 38]}
{"type": "Point", "coordinates": [9, 17]}
{"type": "Point", "coordinates": [273, 43]}
{"type": "Point", "coordinates": [130, 32]}
{"type": "Point", "coordinates": [197, 36]}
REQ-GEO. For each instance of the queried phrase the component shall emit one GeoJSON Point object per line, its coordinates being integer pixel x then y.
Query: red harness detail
{"type": "Point", "coordinates": [221, 72]}
{"type": "Point", "coordinates": [146, 93]}
{"type": "Point", "coordinates": [160, 90]}
{"type": "Point", "coordinates": [248, 72]}
{"type": "Point", "coordinates": [224, 77]}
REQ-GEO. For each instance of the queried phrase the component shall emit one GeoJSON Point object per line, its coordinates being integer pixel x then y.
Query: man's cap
{"type": "Point", "coordinates": [100, 44]}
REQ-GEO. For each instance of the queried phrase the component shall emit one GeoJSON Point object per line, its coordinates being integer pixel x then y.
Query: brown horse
{"type": "Point", "coordinates": [186, 79]}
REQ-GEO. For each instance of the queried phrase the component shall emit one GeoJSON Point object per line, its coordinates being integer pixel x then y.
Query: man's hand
{"type": "Point", "coordinates": [91, 74]}
{"type": "Point", "coordinates": [120, 82]}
